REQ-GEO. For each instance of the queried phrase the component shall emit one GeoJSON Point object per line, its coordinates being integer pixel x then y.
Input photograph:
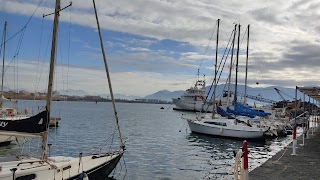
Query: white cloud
{"type": "Point", "coordinates": [275, 27]}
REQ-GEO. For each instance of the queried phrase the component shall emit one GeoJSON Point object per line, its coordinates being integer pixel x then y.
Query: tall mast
{"type": "Point", "coordinates": [51, 74]}
{"type": "Point", "coordinates": [4, 54]}
{"type": "Point", "coordinates": [108, 75]}
{"type": "Point", "coordinates": [230, 70]}
{"type": "Point", "coordinates": [237, 61]}
{"type": "Point", "coordinates": [246, 78]}
{"type": "Point", "coordinates": [215, 72]}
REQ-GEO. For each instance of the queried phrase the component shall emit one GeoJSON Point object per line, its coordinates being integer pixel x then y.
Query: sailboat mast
{"type": "Point", "coordinates": [246, 78]}
{"type": "Point", "coordinates": [108, 74]}
{"type": "Point", "coordinates": [51, 75]}
{"type": "Point", "coordinates": [231, 63]}
{"type": "Point", "coordinates": [4, 54]}
{"type": "Point", "coordinates": [237, 62]}
{"type": "Point", "coordinates": [215, 72]}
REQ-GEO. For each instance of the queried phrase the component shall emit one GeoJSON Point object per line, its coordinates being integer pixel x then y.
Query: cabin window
{"type": "Point", "coordinates": [27, 177]}
{"type": "Point", "coordinates": [216, 123]}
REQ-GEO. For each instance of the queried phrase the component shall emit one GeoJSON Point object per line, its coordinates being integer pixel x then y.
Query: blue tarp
{"type": "Point", "coordinates": [239, 113]}
{"type": "Point", "coordinates": [239, 108]}
{"type": "Point", "coordinates": [223, 113]}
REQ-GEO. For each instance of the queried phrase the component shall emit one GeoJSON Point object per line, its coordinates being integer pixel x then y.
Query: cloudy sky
{"type": "Point", "coordinates": [153, 45]}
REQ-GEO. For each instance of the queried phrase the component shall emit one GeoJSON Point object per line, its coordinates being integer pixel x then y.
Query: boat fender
{"type": "Point", "coordinates": [83, 176]}
{"type": "Point", "coordinates": [221, 129]}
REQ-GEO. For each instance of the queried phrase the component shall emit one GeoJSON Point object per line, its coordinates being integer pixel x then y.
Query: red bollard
{"type": "Point", "coordinates": [245, 160]}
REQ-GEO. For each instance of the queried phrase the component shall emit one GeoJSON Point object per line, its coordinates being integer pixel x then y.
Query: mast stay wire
{"type": "Point", "coordinates": [226, 57]}
{"type": "Point", "coordinates": [221, 62]}
{"type": "Point", "coordinates": [206, 50]}
{"type": "Point", "coordinates": [25, 26]}
{"type": "Point", "coordinates": [39, 53]}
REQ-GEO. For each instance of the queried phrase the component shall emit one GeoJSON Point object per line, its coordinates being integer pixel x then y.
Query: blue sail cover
{"type": "Point", "coordinates": [239, 113]}
{"type": "Point", "coordinates": [247, 110]}
{"type": "Point", "coordinates": [223, 113]}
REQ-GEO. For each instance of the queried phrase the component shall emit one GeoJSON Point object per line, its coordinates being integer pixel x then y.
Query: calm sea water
{"type": "Point", "coordinates": [159, 144]}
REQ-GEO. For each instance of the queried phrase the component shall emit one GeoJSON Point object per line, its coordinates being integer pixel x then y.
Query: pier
{"type": "Point", "coordinates": [284, 165]}
{"type": "Point", "coordinates": [300, 159]}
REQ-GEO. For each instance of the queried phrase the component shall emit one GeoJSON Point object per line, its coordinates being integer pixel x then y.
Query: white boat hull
{"type": "Point", "coordinates": [56, 168]}
{"type": "Point", "coordinates": [192, 105]}
{"type": "Point", "coordinates": [245, 133]}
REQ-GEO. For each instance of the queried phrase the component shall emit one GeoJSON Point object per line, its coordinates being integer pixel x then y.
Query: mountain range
{"type": "Point", "coordinates": [265, 92]}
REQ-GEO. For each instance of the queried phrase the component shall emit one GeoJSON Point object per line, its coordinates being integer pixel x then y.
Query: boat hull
{"type": "Point", "coordinates": [196, 106]}
{"type": "Point", "coordinates": [224, 131]}
{"type": "Point", "coordinates": [59, 167]}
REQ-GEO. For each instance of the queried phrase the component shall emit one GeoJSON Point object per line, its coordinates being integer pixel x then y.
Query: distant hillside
{"type": "Point", "coordinates": [72, 92]}
{"type": "Point", "coordinates": [267, 92]}
{"type": "Point", "coordinates": [120, 96]}
{"type": "Point", "coordinates": [165, 95]}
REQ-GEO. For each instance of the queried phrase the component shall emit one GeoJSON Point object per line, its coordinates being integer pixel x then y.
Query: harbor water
{"type": "Point", "coordinates": [159, 144]}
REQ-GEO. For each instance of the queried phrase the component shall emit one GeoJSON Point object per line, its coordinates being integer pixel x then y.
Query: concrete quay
{"type": "Point", "coordinates": [285, 166]}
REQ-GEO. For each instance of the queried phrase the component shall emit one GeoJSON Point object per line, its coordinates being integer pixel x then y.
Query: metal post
{"type": "Point", "coordinates": [303, 135]}
{"type": "Point", "coordinates": [313, 117]}
{"type": "Point", "coordinates": [294, 141]}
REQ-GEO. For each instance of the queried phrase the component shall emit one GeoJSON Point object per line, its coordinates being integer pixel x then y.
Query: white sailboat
{"type": "Point", "coordinates": [222, 126]}
{"type": "Point", "coordinates": [94, 166]}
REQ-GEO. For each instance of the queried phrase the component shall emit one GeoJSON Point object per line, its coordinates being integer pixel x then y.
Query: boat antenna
{"type": "Point", "coordinates": [108, 75]}
{"type": "Point", "coordinates": [215, 73]}
{"type": "Point", "coordinates": [4, 53]}
{"type": "Point", "coordinates": [246, 77]}
{"type": "Point", "coordinates": [51, 72]}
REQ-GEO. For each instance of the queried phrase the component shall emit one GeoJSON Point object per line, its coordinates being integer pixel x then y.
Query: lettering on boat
{"type": "Point", "coordinates": [3, 124]}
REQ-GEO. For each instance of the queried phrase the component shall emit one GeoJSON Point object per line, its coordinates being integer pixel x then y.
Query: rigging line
{"type": "Point", "coordinates": [43, 61]}
{"type": "Point", "coordinates": [223, 66]}
{"type": "Point", "coordinates": [39, 53]}
{"type": "Point", "coordinates": [208, 45]}
{"type": "Point", "coordinates": [16, 51]}
{"type": "Point", "coordinates": [219, 65]}
{"type": "Point", "coordinates": [25, 26]}
{"type": "Point", "coordinates": [226, 50]}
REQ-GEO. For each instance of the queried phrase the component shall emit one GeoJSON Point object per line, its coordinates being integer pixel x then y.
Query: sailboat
{"type": "Point", "coordinates": [218, 125]}
{"type": "Point", "coordinates": [94, 166]}
{"type": "Point", "coordinates": [10, 119]}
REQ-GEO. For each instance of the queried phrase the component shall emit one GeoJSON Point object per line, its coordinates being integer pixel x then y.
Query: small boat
{"type": "Point", "coordinates": [194, 99]}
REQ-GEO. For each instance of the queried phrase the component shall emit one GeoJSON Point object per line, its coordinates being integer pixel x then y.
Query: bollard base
{"type": "Point", "coordinates": [294, 147]}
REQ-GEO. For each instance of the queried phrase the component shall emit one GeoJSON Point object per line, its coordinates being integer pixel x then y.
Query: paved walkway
{"type": "Point", "coordinates": [305, 165]}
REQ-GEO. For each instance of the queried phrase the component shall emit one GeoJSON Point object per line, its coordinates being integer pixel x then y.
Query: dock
{"type": "Point", "coordinates": [304, 165]}
{"type": "Point", "coordinates": [54, 121]}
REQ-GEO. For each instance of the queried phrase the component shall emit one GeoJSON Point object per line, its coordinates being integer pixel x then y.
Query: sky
{"type": "Point", "coordinates": [154, 45]}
